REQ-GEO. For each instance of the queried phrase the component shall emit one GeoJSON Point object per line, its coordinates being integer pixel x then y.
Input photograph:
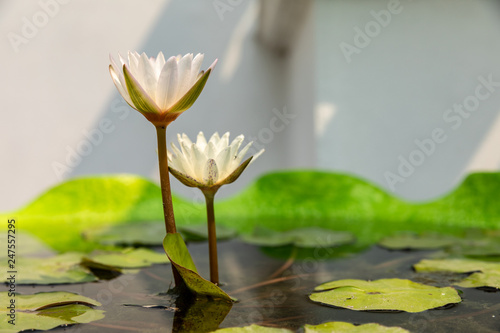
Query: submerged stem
{"type": "Point", "coordinates": [166, 194]}
{"type": "Point", "coordinates": [212, 237]}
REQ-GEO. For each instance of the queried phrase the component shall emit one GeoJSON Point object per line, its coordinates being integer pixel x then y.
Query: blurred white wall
{"type": "Point", "coordinates": [337, 100]}
{"type": "Point", "coordinates": [57, 94]}
{"type": "Point", "coordinates": [391, 72]}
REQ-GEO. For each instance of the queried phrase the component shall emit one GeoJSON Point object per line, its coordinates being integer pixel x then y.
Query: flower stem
{"type": "Point", "coordinates": [212, 238]}
{"type": "Point", "coordinates": [166, 194]}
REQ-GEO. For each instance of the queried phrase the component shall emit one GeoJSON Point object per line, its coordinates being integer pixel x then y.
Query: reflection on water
{"type": "Point", "coordinates": [272, 288]}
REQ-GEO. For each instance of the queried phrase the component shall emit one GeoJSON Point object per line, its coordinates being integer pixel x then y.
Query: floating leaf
{"type": "Point", "coordinates": [252, 329]}
{"type": "Point", "coordinates": [64, 268]}
{"type": "Point", "coordinates": [301, 237]}
{"type": "Point", "coordinates": [44, 311]}
{"type": "Point", "coordinates": [200, 232]}
{"type": "Point", "coordinates": [489, 279]}
{"type": "Point", "coordinates": [129, 234]}
{"type": "Point", "coordinates": [487, 273]}
{"type": "Point", "coordinates": [281, 201]}
{"type": "Point", "coordinates": [425, 241]}
{"type": "Point", "coordinates": [384, 294]}
{"type": "Point", "coordinates": [177, 252]}
{"type": "Point", "coordinates": [127, 258]}
{"type": "Point", "coordinates": [343, 327]}
{"type": "Point", "coordinates": [455, 265]}
{"type": "Point", "coordinates": [31, 246]}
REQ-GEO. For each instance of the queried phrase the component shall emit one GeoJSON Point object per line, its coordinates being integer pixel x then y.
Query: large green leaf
{"type": "Point", "coordinates": [177, 252]}
{"type": "Point", "coordinates": [126, 258]}
{"type": "Point", "coordinates": [25, 245]}
{"type": "Point", "coordinates": [487, 273]}
{"type": "Point", "coordinates": [424, 241]}
{"type": "Point", "coordinates": [343, 327]}
{"type": "Point", "coordinates": [61, 269]}
{"type": "Point", "coordinates": [199, 232]}
{"type": "Point", "coordinates": [280, 201]}
{"type": "Point", "coordinates": [253, 329]}
{"type": "Point", "coordinates": [150, 233]}
{"type": "Point", "coordinates": [384, 294]}
{"type": "Point", "coordinates": [129, 234]}
{"type": "Point", "coordinates": [301, 237]}
{"type": "Point", "coordinates": [44, 311]}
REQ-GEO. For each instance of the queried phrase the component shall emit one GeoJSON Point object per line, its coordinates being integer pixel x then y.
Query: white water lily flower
{"type": "Point", "coordinates": [160, 89]}
{"type": "Point", "coordinates": [209, 165]}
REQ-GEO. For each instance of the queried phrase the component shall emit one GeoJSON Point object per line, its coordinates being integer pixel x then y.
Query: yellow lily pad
{"type": "Point", "coordinates": [343, 327]}
{"type": "Point", "coordinates": [384, 294]}
{"type": "Point", "coordinates": [45, 311]}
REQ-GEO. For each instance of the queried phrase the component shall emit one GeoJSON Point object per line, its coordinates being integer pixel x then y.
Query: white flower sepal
{"type": "Point", "coordinates": [160, 90]}
{"type": "Point", "coordinates": [209, 165]}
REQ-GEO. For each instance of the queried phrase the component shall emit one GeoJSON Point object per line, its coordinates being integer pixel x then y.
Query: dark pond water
{"type": "Point", "coordinates": [273, 292]}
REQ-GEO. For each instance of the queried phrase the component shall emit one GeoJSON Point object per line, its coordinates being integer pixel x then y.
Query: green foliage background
{"type": "Point", "coordinates": [280, 201]}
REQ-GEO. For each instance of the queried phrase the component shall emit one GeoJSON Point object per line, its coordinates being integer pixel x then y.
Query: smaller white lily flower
{"type": "Point", "coordinates": [209, 165]}
{"type": "Point", "coordinates": [160, 89]}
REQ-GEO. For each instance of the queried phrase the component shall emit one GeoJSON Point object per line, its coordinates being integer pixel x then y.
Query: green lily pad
{"type": "Point", "coordinates": [343, 327]}
{"type": "Point", "coordinates": [60, 269]}
{"type": "Point", "coordinates": [488, 279]}
{"type": "Point", "coordinates": [200, 232]}
{"type": "Point", "coordinates": [129, 234]}
{"type": "Point", "coordinates": [301, 237]}
{"type": "Point", "coordinates": [384, 294]}
{"type": "Point", "coordinates": [150, 233]}
{"type": "Point", "coordinates": [27, 245]}
{"type": "Point", "coordinates": [127, 258]}
{"type": "Point", "coordinates": [252, 329]}
{"type": "Point", "coordinates": [425, 241]}
{"type": "Point", "coordinates": [455, 265]}
{"type": "Point", "coordinates": [44, 311]}
{"type": "Point", "coordinates": [487, 274]}
{"type": "Point", "coordinates": [177, 252]}
{"type": "Point", "coordinates": [281, 201]}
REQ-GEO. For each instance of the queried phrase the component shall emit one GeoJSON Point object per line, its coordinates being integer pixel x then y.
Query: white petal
{"type": "Point", "coordinates": [148, 76]}
{"type": "Point", "coordinates": [201, 142]}
{"type": "Point", "coordinates": [186, 139]}
{"type": "Point", "coordinates": [224, 141]}
{"type": "Point", "coordinates": [182, 164]}
{"type": "Point", "coordinates": [241, 154]}
{"type": "Point", "coordinates": [160, 62]}
{"type": "Point", "coordinates": [236, 144]}
{"type": "Point", "coordinates": [167, 84]}
{"type": "Point", "coordinates": [120, 85]}
{"type": "Point", "coordinates": [184, 74]}
{"type": "Point", "coordinates": [133, 65]}
{"type": "Point", "coordinates": [198, 161]}
{"type": "Point", "coordinates": [195, 68]}
{"type": "Point", "coordinates": [223, 160]}
{"type": "Point", "coordinates": [215, 138]}
{"type": "Point", "coordinates": [211, 150]}
{"type": "Point", "coordinates": [257, 155]}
